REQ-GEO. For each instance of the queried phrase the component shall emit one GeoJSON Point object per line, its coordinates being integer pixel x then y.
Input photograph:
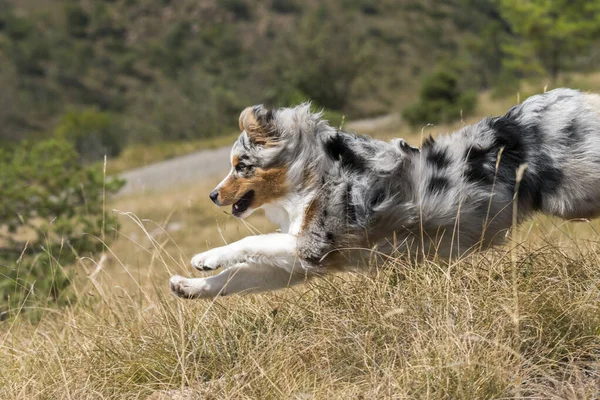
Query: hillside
{"type": "Point", "coordinates": [174, 70]}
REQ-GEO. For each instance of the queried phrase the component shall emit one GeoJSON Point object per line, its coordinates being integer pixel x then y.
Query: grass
{"type": "Point", "coordinates": [416, 331]}
{"type": "Point", "coordinates": [522, 320]}
{"type": "Point", "coordinates": [408, 331]}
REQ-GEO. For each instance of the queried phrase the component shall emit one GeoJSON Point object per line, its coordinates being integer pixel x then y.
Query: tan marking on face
{"type": "Point", "coordinates": [268, 185]}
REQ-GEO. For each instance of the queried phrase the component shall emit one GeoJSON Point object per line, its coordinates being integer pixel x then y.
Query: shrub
{"type": "Point", "coordinates": [238, 8]}
{"type": "Point", "coordinates": [441, 100]}
{"type": "Point", "coordinates": [77, 20]}
{"type": "Point", "coordinates": [93, 133]}
{"type": "Point", "coordinates": [335, 118]}
{"type": "Point", "coordinates": [285, 6]}
{"type": "Point", "coordinates": [51, 212]}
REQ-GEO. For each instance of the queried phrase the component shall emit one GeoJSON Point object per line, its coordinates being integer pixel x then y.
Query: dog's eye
{"type": "Point", "coordinates": [241, 167]}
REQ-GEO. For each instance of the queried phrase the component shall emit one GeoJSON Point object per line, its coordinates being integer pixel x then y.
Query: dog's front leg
{"type": "Point", "coordinates": [275, 249]}
{"type": "Point", "coordinates": [241, 278]}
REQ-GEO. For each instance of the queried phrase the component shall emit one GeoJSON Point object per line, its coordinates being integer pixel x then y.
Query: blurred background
{"type": "Point", "coordinates": [141, 81]}
{"type": "Point", "coordinates": [112, 74]}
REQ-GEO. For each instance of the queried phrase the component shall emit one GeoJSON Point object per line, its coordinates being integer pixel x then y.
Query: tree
{"type": "Point", "coordinates": [93, 132]}
{"type": "Point", "coordinates": [550, 30]}
{"type": "Point", "coordinates": [441, 99]}
{"type": "Point", "coordinates": [51, 212]}
{"type": "Point", "coordinates": [320, 59]}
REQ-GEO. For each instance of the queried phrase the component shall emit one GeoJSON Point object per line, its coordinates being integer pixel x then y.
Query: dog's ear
{"type": "Point", "coordinates": [259, 125]}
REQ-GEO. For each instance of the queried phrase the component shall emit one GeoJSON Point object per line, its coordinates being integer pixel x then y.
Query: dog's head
{"type": "Point", "coordinates": [262, 158]}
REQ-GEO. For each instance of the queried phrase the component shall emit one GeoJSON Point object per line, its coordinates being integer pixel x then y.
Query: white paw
{"type": "Point", "coordinates": [210, 260]}
{"type": "Point", "coordinates": [188, 288]}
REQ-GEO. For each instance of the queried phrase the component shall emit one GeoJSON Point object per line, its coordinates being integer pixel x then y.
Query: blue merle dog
{"type": "Point", "coordinates": [334, 193]}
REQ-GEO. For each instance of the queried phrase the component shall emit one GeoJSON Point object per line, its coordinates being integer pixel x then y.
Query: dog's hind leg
{"type": "Point", "coordinates": [242, 278]}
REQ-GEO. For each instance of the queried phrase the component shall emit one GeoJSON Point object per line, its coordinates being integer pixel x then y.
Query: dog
{"type": "Point", "coordinates": [337, 195]}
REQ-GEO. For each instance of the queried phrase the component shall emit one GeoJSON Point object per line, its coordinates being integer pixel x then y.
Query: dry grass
{"type": "Point", "coordinates": [519, 321]}
{"type": "Point", "coordinates": [416, 331]}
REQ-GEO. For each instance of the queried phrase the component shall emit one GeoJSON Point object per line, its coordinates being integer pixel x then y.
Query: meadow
{"type": "Point", "coordinates": [519, 321]}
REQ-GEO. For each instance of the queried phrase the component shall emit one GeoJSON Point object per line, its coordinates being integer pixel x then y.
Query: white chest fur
{"type": "Point", "coordinates": [288, 213]}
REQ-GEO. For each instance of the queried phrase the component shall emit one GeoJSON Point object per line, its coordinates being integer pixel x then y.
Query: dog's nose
{"type": "Point", "coordinates": [214, 195]}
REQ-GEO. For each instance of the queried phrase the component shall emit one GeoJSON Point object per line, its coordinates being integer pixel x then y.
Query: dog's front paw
{"type": "Point", "coordinates": [210, 260]}
{"type": "Point", "coordinates": [188, 288]}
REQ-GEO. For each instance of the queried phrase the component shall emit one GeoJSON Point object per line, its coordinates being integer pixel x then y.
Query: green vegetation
{"type": "Point", "coordinates": [549, 34]}
{"type": "Point", "coordinates": [441, 100]}
{"type": "Point", "coordinates": [93, 133]}
{"type": "Point", "coordinates": [51, 212]}
{"type": "Point", "coordinates": [154, 71]}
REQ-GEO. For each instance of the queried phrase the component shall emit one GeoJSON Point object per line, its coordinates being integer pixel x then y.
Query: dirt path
{"type": "Point", "coordinates": [212, 163]}
{"type": "Point", "coordinates": [177, 171]}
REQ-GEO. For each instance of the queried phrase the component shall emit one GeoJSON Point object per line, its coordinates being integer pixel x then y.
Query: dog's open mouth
{"type": "Point", "coordinates": [240, 206]}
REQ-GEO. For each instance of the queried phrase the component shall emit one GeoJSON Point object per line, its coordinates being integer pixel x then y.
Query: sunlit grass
{"type": "Point", "coordinates": [400, 330]}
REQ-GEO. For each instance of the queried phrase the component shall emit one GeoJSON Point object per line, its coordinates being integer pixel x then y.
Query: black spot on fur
{"type": "Point", "coordinates": [438, 158]}
{"type": "Point", "coordinates": [510, 135]}
{"type": "Point", "coordinates": [263, 117]}
{"type": "Point", "coordinates": [268, 116]}
{"type": "Point", "coordinates": [478, 161]}
{"type": "Point", "coordinates": [522, 144]}
{"type": "Point", "coordinates": [438, 184]}
{"type": "Point", "coordinates": [329, 236]}
{"type": "Point", "coordinates": [376, 197]}
{"type": "Point", "coordinates": [514, 112]}
{"type": "Point", "coordinates": [312, 259]}
{"type": "Point", "coordinates": [408, 148]}
{"type": "Point", "coordinates": [244, 143]}
{"type": "Point", "coordinates": [544, 182]}
{"type": "Point", "coordinates": [428, 142]}
{"type": "Point", "coordinates": [337, 149]}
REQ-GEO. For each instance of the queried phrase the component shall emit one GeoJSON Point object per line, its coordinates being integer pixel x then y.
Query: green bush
{"type": "Point", "coordinates": [94, 134]}
{"type": "Point", "coordinates": [77, 20]}
{"type": "Point", "coordinates": [239, 8]}
{"type": "Point", "coordinates": [285, 6]}
{"type": "Point", "coordinates": [51, 212]}
{"type": "Point", "coordinates": [335, 118]}
{"type": "Point", "coordinates": [441, 100]}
